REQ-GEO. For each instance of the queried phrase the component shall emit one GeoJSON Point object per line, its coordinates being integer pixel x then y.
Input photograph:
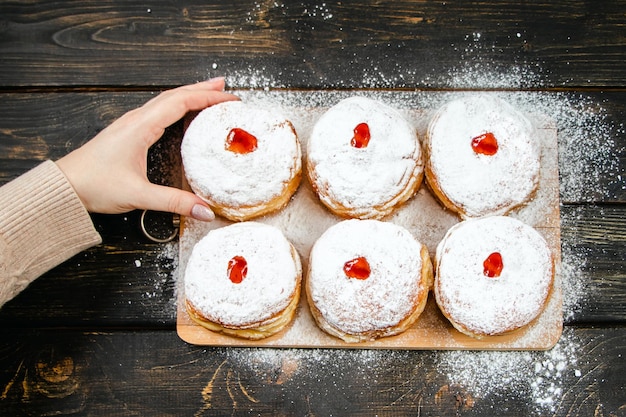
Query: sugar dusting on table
{"type": "Point", "coordinates": [586, 150]}
{"type": "Point", "coordinates": [538, 378]}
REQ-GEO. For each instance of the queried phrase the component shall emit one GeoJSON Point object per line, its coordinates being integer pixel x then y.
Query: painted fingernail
{"type": "Point", "coordinates": [202, 213]}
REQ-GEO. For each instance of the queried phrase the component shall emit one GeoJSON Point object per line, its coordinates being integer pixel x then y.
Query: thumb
{"type": "Point", "coordinates": [174, 200]}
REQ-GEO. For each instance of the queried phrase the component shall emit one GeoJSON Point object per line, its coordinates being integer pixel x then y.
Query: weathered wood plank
{"type": "Point", "coordinates": [306, 44]}
{"type": "Point", "coordinates": [593, 241]}
{"type": "Point", "coordinates": [65, 372]}
{"type": "Point", "coordinates": [35, 127]}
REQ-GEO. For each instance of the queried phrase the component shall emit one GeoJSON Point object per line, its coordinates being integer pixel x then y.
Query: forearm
{"type": "Point", "coordinates": [42, 223]}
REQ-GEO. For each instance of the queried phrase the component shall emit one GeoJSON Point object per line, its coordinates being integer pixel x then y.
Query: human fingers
{"type": "Point", "coordinates": [170, 106]}
{"type": "Point", "coordinates": [163, 198]}
{"type": "Point", "coordinates": [217, 83]}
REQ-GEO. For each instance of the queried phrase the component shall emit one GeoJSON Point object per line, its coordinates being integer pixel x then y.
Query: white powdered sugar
{"type": "Point", "coordinates": [228, 178]}
{"type": "Point", "coordinates": [386, 296]}
{"type": "Point", "coordinates": [270, 280]}
{"type": "Point", "coordinates": [586, 146]}
{"type": "Point", "coordinates": [369, 181]}
{"type": "Point", "coordinates": [539, 378]}
{"type": "Point", "coordinates": [586, 150]}
{"type": "Point", "coordinates": [491, 305]}
{"type": "Point", "coordinates": [304, 219]}
{"type": "Point", "coordinates": [475, 183]}
{"type": "Point", "coordinates": [487, 380]}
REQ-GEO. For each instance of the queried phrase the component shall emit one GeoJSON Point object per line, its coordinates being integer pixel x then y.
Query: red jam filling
{"type": "Point", "coordinates": [357, 268]}
{"type": "Point", "coordinates": [240, 141]}
{"type": "Point", "coordinates": [237, 269]}
{"type": "Point", "coordinates": [485, 144]}
{"type": "Point", "coordinates": [493, 265]}
{"type": "Point", "coordinates": [361, 136]}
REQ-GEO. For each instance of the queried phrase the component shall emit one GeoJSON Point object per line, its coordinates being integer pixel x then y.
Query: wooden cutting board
{"type": "Point", "coordinates": [305, 219]}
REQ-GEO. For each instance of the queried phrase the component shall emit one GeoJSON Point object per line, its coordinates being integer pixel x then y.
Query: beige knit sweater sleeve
{"type": "Point", "coordinates": [42, 223]}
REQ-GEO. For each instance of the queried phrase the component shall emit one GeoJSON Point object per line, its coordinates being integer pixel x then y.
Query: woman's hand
{"type": "Point", "coordinates": [109, 173]}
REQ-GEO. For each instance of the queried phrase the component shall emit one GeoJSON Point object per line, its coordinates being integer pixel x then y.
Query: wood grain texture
{"type": "Point", "coordinates": [593, 241]}
{"type": "Point", "coordinates": [35, 127]}
{"type": "Point", "coordinates": [153, 372]}
{"type": "Point", "coordinates": [96, 335]}
{"type": "Point", "coordinates": [309, 44]}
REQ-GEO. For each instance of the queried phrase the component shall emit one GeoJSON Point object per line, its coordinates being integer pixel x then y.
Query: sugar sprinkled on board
{"type": "Point", "coordinates": [585, 136]}
{"type": "Point", "coordinates": [540, 376]}
{"type": "Point", "coordinates": [587, 150]}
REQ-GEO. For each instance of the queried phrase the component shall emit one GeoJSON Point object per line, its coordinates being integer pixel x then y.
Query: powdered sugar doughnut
{"type": "Point", "coordinates": [243, 280]}
{"type": "Point", "coordinates": [492, 275]}
{"type": "Point", "coordinates": [482, 158]}
{"type": "Point", "coordinates": [367, 279]}
{"type": "Point", "coordinates": [243, 160]}
{"type": "Point", "coordinates": [363, 159]}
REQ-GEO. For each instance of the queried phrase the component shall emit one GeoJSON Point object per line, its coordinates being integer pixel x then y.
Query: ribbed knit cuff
{"type": "Point", "coordinates": [42, 223]}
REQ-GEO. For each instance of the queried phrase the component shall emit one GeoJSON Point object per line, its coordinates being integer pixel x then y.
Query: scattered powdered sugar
{"type": "Point", "coordinates": [160, 286]}
{"type": "Point", "coordinates": [540, 376]}
{"type": "Point", "coordinates": [586, 153]}
{"type": "Point", "coordinates": [538, 379]}
{"type": "Point", "coordinates": [587, 149]}
{"type": "Point", "coordinates": [421, 215]}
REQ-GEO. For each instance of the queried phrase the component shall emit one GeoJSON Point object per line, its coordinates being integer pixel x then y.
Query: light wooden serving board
{"type": "Point", "coordinates": [305, 219]}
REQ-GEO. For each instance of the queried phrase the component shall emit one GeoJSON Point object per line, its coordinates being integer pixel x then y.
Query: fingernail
{"type": "Point", "coordinates": [216, 79]}
{"type": "Point", "coordinates": [202, 213]}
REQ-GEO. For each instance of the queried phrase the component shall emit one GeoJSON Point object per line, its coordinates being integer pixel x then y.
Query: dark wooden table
{"type": "Point", "coordinates": [97, 335]}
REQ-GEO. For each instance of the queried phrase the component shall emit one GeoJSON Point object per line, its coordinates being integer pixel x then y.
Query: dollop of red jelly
{"type": "Point", "coordinates": [357, 268]}
{"type": "Point", "coordinates": [361, 136]}
{"type": "Point", "coordinates": [493, 265]}
{"type": "Point", "coordinates": [237, 269]}
{"type": "Point", "coordinates": [240, 141]}
{"type": "Point", "coordinates": [485, 144]}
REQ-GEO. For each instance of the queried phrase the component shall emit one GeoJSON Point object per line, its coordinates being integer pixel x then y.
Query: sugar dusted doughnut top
{"type": "Point", "coordinates": [389, 293]}
{"type": "Point", "coordinates": [486, 293]}
{"type": "Point", "coordinates": [228, 178]}
{"type": "Point", "coordinates": [268, 285]}
{"type": "Point", "coordinates": [369, 178]}
{"type": "Point", "coordinates": [481, 179]}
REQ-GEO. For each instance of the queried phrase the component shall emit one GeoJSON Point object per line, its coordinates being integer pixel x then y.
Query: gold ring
{"type": "Point", "coordinates": [175, 225]}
